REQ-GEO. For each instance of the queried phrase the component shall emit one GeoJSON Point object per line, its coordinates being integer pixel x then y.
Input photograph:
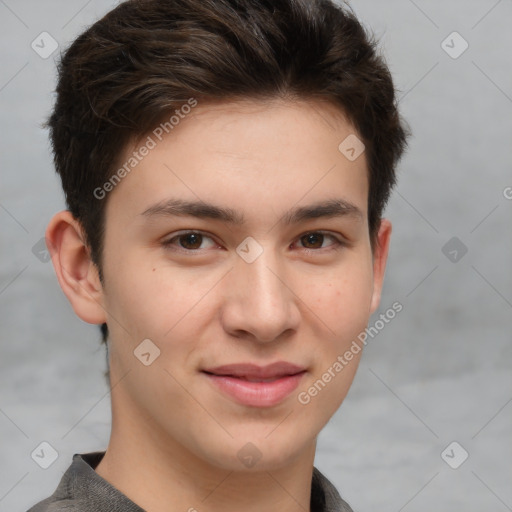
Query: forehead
{"type": "Point", "coordinates": [251, 156]}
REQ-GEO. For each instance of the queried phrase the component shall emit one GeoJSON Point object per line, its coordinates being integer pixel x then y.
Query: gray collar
{"type": "Point", "coordinates": [87, 490]}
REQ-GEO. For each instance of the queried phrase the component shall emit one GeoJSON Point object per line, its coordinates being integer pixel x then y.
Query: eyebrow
{"type": "Point", "coordinates": [202, 210]}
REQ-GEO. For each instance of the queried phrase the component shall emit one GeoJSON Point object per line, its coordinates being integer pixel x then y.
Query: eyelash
{"type": "Point", "coordinates": [338, 243]}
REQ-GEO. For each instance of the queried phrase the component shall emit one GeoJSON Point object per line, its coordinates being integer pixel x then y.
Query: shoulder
{"type": "Point", "coordinates": [76, 482]}
{"type": "Point", "coordinates": [52, 505]}
{"type": "Point", "coordinates": [325, 497]}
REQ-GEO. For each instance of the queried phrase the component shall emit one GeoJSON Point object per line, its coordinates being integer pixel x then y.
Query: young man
{"type": "Point", "coordinates": [226, 164]}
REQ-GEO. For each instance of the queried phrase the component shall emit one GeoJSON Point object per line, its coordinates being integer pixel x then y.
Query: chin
{"type": "Point", "coordinates": [257, 453]}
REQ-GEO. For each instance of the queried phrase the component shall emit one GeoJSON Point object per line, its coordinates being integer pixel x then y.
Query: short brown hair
{"type": "Point", "coordinates": [146, 58]}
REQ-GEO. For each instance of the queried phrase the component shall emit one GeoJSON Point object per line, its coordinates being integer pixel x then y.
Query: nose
{"type": "Point", "coordinates": [259, 303]}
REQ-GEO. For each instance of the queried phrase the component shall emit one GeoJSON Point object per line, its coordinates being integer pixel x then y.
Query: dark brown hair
{"type": "Point", "coordinates": [146, 58]}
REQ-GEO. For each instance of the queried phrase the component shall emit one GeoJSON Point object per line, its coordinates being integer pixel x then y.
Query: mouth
{"type": "Point", "coordinates": [256, 386]}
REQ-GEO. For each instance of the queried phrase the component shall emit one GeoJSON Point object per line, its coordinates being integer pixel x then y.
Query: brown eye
{"type": "Point", "coordinates": [190, 241]}
{"type": "Point", "coordinates": [314, 241]}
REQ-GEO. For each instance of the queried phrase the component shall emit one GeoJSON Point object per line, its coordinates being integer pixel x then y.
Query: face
{"type": "Point", "coordinates": [248, 298]}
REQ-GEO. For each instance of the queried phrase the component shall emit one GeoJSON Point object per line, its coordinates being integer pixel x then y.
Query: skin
{"type": "Point", "coordinates": [175, 437]}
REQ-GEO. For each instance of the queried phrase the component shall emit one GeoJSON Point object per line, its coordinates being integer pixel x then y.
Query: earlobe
{"type": "Point", "coordinates": [379, 262]}
{"type": "Point", "coordinates": [76, 272]}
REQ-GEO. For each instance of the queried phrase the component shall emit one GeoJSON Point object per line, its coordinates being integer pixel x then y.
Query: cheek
{"type": "Point", "coordinates": [152, 299]}
{"type": "Point", "coordinates": [340, 299]}
{"type": "Point", "coordinates": [341, 307]}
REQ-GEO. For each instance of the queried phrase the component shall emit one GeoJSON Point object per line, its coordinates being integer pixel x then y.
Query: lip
{"type": "Point", "coordinates": [256, 386]}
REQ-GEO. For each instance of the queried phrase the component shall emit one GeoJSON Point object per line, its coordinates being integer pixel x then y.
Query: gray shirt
{"type": "Point", "coordinates": [81, 489]}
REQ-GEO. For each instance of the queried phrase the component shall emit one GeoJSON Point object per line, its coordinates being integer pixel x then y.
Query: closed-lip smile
{"type": "Point", "coordinates": [257, 386]}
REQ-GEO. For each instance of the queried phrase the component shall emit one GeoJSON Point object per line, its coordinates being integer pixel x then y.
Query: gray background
{"type": "Point", "coordinates": [439, 372]}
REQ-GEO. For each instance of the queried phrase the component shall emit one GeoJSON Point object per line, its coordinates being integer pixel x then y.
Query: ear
{"type": "Point", "coordinates": [380, 257]}
{"type": "Point", "coordinates": [77, 274]}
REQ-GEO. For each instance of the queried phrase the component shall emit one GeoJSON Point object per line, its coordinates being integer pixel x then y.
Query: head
{"type": "Point", "coordinates": [239, 106]}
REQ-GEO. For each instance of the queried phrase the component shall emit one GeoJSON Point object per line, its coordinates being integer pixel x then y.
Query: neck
{"type": "Point", "coordinates": [160, 475]}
